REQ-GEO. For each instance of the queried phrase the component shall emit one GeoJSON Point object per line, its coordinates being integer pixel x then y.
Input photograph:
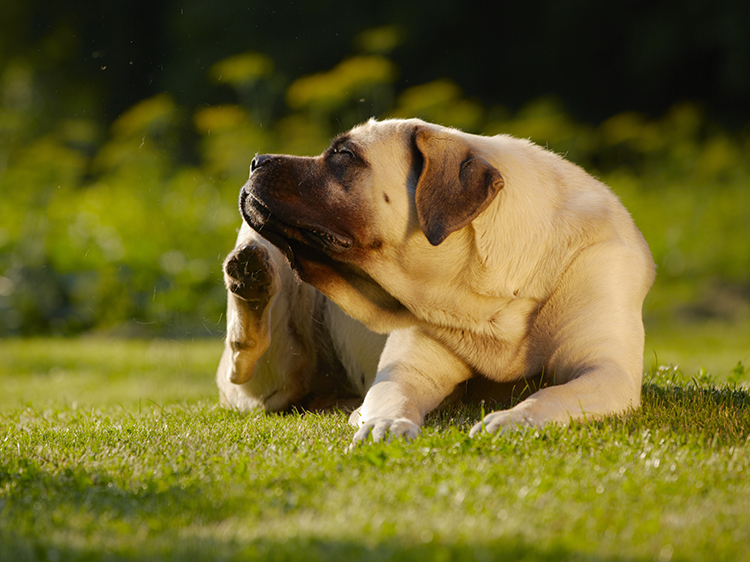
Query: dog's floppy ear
{"type": "Point", "coordinates": [455, 184]}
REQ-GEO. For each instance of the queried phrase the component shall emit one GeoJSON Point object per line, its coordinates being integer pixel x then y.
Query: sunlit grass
{"type": "Point", "coordinates": [104, 372]}
{"type": "Point", "coordinates": [161, 473]}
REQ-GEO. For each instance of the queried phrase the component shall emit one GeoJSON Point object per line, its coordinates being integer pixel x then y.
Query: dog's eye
{"type": "Point", "coordinates": [343, 151]}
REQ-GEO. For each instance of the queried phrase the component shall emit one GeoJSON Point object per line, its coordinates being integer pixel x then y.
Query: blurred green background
{"type": "Point", "coordinates": [127, 128]}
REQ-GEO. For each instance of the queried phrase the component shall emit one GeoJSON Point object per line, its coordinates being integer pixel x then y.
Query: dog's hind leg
{"type": "Point", "coordinates": [252, 280]}
{"type": "Point", "coordinates": [270, 358]}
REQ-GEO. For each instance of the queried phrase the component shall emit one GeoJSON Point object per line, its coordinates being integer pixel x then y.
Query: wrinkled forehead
{"type": "Point", "coordinates": [387, 144]}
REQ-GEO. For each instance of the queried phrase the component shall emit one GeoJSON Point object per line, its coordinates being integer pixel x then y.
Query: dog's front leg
{"type": "Point", "coordinates": [592, 329]}
{"type": "Point", "coordinates": [415, 374]}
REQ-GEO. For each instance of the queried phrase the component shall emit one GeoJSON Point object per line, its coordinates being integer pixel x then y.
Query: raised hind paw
{"type": "Point", "coordinates": [249, 273]}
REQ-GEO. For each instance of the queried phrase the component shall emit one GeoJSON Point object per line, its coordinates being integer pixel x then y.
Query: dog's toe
{"type": "Point", "coordinates": [385, 428]}
{"type": "Point", "coordinates": [505, 420]}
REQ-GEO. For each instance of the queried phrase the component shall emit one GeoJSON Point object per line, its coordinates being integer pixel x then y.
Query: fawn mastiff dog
{"type": "Point", "coordinates": [411, 262]}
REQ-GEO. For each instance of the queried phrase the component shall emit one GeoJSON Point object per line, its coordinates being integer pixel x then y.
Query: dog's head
{"type": "Point", "coordinates": [377, 190]}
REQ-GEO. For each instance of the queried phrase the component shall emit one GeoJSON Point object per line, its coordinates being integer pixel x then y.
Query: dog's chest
{"type": "Point", "coordinates": [497, 350]}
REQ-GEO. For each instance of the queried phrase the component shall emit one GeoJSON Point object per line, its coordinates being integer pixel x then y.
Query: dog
{"type": "Point", "coordinates": [411, 262]}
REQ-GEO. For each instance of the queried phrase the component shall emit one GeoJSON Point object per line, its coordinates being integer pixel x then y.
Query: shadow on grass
{"type": "Point", "coordinates": [306, 549]}
{"type": "Point", "coordinates": [73, 514]}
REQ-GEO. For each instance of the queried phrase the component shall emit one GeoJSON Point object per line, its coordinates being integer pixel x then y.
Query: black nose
{"type": "Point", "coordinates": [259, 161]}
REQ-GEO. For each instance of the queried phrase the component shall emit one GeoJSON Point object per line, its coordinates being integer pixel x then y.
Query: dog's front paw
{"type": "Point", "coordinates": [250, 274]}
{"type": "Point", "coordinates": [382, 428]}
{"type": "Point", "coordinates": [504, 420]}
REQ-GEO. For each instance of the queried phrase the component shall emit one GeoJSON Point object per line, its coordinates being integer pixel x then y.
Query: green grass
{"type": "Point", "coordinates": [143, 465]}
{"type": "Point", "coordinates": [714, 346]}
{"type": "Point", "coordinates": [105, 372]}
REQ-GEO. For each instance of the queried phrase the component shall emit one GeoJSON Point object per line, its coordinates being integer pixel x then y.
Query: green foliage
{"type": "Point", "coordinates": [133, 467]}
{"type": "Point", "coordinates": [327, 91]}
{"type": "Point", "coordinates": [126, 230]}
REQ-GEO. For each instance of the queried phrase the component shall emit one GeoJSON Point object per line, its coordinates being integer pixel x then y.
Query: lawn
{"type": "Point", "coordinates": [116, 450]}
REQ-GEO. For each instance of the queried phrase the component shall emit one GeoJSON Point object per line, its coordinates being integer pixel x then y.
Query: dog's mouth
{"type": "Point", "coordinates": [290, 238]}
